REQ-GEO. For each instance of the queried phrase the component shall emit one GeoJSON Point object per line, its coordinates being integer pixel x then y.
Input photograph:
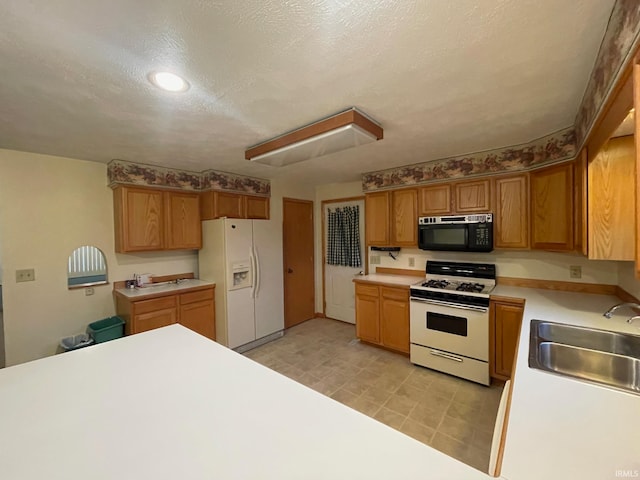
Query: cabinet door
{"type": "Point", "coordinates": [377, 218]}
{"type": "Point", "coordinates": [139, 219]}
{"type": "Point", "coordinates": [183, 227]}
{"type": "Point", "coordinates": [206, 206]}
{"type": "Point", "coordinates": [394, 318]}
{"type": "Point", "coordinates": [580, 203]}
{"type": "Point", "coordinates": [404, 217]}
{"type": "Point", "coordinates": [552, 208]}
{"type": "Point", "coordinates": [230, 205]}
{"type": "Point", "coordinates": [368, 313]}
{"type": "Point", "coordinates": [511, 212]}
{"type": "Point", "coordinates": [435, 200]}
{"type": "Point", "coordinates": [199, 317]}
{"type": "Point", "coordinates": [156, 319]}
{"type": "Point", "coordinates": [612, 201]}
{"type": "Point", "coordinates": [507, 319]}
{"type": "Point", "coordinates": [472, 197]}
{"type": "Point", "coordinates": [257, 207]}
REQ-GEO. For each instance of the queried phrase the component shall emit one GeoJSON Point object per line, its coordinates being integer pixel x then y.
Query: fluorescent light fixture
{"type": "Point", "coordinates": [347, 129]}
{"type": "Point", "coordinates": [169, 81]}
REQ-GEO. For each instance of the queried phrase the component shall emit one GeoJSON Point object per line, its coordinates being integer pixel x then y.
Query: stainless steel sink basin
{"type": "Point", "coordinates": [599, 356]}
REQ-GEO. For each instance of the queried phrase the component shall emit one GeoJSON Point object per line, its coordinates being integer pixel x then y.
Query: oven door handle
{"type": "Point", "coordinates": [453, 305]}
{"type": "Point", "coordinates": [448, 356]}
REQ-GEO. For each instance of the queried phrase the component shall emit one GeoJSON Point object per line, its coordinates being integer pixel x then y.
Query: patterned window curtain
{"type": "Point", "coordinates": [343, 235]}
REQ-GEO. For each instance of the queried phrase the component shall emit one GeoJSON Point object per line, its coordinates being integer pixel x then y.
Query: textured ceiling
{"type": "Point", "coordinates": [442, 77]}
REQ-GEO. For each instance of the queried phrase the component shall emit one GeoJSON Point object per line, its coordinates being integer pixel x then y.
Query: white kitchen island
{"type": "Point", "coordinates": [170, 404]}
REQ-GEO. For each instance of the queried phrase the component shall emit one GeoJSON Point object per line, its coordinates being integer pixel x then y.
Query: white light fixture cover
{"type": "Point", "coordinates": [344, 130]}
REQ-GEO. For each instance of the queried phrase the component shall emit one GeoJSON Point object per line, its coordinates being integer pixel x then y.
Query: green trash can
{"type": "Point", "coordinates": [106, 329]}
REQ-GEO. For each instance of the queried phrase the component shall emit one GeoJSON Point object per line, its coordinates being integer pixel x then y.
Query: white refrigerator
{"type": "Point", "coordinates": [244, 259]}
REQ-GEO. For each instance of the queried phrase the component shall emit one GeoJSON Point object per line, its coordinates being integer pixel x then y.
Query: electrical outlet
{"type": "Point", "coordinates": [27, 275]}
{"type": "Point", "coordinates": [575, 271]}
{"type": "Point", "coordinates": [412, 261]}
{"type": "Point", "coordinates": [88, 291]}
{"type": "Point", "coordinates": [375, 260]}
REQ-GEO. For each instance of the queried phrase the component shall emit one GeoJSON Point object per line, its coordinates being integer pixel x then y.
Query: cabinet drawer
{"type": "Point", "coordinates": [145, 306]}
{"type": "Point", "coordinates": [366, 290]}
{"type": "Point", "coordinates": [395, 293]}
{"type": "Point", "coordinates": [198, 296]}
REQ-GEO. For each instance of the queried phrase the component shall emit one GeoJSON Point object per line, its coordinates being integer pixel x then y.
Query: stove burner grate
{"type": "Point", "coordinates": [470, 287]}
{"type": "Point", "coordinates": [436, 284]}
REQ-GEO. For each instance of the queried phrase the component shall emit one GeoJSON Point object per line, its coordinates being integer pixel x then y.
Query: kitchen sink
{"type": "Point", "coordinates": [607, 358]}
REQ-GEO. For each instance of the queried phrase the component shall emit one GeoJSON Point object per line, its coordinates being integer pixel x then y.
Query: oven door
{"type": "Point", "coordinates": [462, 330]}
{"type": "Point", "coordinates": [443, 237]}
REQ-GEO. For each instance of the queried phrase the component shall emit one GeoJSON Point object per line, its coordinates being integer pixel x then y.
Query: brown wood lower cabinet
{"type": "Point", "coordinates": [193, 309]}
{"type": "Point", "coordinates": [382, 316]}
{"type": "Point", "coordinates": [504, 331]}
{"type": "Point", "coordinates": [197, 312]}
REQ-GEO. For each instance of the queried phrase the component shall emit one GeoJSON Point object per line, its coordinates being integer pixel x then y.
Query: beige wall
{"type": "Point", "coordinates": [523, 264]}
{"type": "Point", "coordinates": [627, 279]}
{"type": "Point", "coordinates": [48, 207]}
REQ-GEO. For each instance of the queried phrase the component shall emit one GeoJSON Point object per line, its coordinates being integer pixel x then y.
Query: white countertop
{"type": "Point", "coordinates": [560, 428]}
{"type": "Point", "coordinates": [134, 293]}
{"type": "Point", "coordinates": [169, 404]}
{"type": "Point", "coordinates": [390, 279]}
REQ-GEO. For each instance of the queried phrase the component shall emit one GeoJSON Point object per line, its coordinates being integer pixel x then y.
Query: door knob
{"type": "Point", "coordinates": [289, 270]}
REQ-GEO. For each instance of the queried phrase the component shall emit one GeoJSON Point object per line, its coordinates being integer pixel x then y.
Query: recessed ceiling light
{"type": "Point", "coordinates": [169, 81]}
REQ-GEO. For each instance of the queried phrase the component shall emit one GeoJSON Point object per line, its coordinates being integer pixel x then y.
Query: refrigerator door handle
{"type": "Point", "coordinates": [253, 273]}
{"type": "Point", "coordinates": [256, 280]}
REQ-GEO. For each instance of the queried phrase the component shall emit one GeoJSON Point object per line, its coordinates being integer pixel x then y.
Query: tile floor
{"type": "Point", "coordinates": [450, 414]}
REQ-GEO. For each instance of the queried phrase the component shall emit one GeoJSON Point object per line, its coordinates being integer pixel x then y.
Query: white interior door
{"type": "Point", "coordinates": [340, 296]}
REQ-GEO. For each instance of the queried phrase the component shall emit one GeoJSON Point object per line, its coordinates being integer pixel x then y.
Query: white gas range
{"type": "Point", "coordinates": [450, 319]}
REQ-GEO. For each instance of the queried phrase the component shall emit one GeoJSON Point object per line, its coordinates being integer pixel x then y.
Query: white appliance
{"type": "Point", "coordinates": [449, 319]}
{"type": "Point", "coordinates": [244, 259]}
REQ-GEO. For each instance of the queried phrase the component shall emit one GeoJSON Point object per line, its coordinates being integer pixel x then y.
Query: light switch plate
{"type": "Point", "coordinates": [412, 261]}
{"type": "Point", "coordinates": [375, 260]}
{"type": "Point", "coordinates": [26, 275]}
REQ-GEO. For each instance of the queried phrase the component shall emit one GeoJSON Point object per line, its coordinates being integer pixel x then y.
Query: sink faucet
{"type": "Point", "coordinates": [609, 313]}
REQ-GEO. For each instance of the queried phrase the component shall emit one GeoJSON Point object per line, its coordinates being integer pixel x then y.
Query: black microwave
{"type": "Point", "coordinates": [457, 233]}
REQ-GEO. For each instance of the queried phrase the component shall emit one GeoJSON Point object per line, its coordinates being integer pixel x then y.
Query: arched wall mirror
{"type": "Point", "coordinates": [86, 267]}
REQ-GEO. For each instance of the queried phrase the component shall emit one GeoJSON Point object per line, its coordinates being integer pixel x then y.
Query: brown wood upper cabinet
{"type": "Point", "coordinates": [472, 197]}
{"type": "Point", "coordinates": [182, 221]}
{"type": "Point", "coordinates": [139, 219]}
{"type": "Point", "coordinates": [435, 200]}
{"type": "Point", "coordinates": [377, 212]}
{"type": "Point", "coordinates": [552, 208]}
{"type": "Point", "coordinates": [511, 211]}
{"type": "Point", "coordinates": [391, 218]}
{"type": "Point", "coordinates": [404, 217]}
{"type": "Point", "coordinates": [611, 202]}
{"type": "Point", "coordinates": [151, 219]}
{"type": "Point", "coordinates": [233, 205]}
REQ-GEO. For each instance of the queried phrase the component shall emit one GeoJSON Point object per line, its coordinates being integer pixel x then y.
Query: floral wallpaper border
{"type": "Point", "coordinates": [556, 147]}
{"type": "Point", "coordinates": [123, 172]}
{"type": "Point", "coordinates": [619, 41]}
